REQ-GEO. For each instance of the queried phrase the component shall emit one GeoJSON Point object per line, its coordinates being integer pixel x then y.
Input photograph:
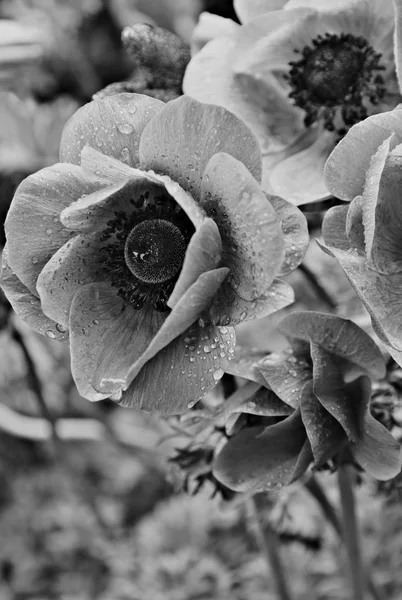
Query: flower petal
{"type": "Point", "coordinates": [346, 168]}
{"type": "Point", "coordinates": [295, 232]}
{"type": "Point", "coordinates": [33, 226]}
{"type": "Point", "coordinates": [182, 372]}
{"type": "Point", "coordinates": [113, 124]}
{"type": "Point", "coordinates": [287, 373]}
{"type": "Point", "coordinates": [181, 139]}
{"type": "Point", "coordinates": [307, 168]}
{"type": "Point", "coordinates": [381, 210]}
{"type": "Point", "coordinates": [203, 254]}
{"type": "Point", "coordinates": [249, 9]}
{"type": "Point", "coordinates": [252, 239]}
{"type": "Point", "coordinates": [192, 304]}
{"type": "Point", "coordinates": [79, 262]}
{"type": "Point", "coordinates": [209, 27]}
{"type": "Point", "coordinates": [334, 227]}
{"type": "Point", "coordinates": [398, 41]}
{"type": "Point", "coordinates": [261, 402]}
{"type": "Point", "coordinates": [245, 364]}
{"type": "Point", "coordinates": [107, 337]}
{"type": "Point", "coordinates": [379, 293]}
{"type": "Point", "coordinates": [26, 305]}
{"type": "Point", "coordinates": [354, 225]}
{"type": "Point", "coordinates": [325, 434]}
{"type": "Point", "coordinates": [257, 459]}
{"type": "Point", "coordinates": [338, 336]}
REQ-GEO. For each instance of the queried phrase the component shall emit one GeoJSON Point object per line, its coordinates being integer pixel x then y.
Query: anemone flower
{"type": "Point", "coordinates": [299, 73]}
{"type": "Point", "coordinates": [324, 377]}
{"type": "Point", "coordinates": [146, 244]}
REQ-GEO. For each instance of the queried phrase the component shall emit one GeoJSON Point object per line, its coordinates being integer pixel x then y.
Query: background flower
{"type": "Point", "coordinates": [151, 251]}
{"type": "Point", "coordinates": [324, 379]}
{"type": "Point", "coordinates": [299, 73]}
{"type": "Point", "coordinates": [365, 235]}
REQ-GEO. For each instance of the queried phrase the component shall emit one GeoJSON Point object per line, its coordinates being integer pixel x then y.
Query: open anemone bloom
{"type": "Point", "coordinates": [147, 253]}
{"type": "Point", "coordinates": [300, 73]}
{"type": "Point", "coordinates": [324, 379]}
{"type": "Point", "coordinates": [365, 235]}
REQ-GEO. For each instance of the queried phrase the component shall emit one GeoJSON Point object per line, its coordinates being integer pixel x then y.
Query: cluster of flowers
{"type": "Point", "coordinates": [166, 225]}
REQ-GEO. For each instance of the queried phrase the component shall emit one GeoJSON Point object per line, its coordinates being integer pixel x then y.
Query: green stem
{"type": "Point", "coordinates": [351, 534]}
{"type": "Point", "coordinates": [268, 542]}
{"type": "Point", "coordinates": [318, 493]}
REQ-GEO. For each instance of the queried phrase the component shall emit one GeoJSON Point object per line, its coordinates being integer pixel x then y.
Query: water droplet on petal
{"type": "Point", "coordinates": [125, 128]}
{"type": "Point", "coordinates": [50, 334]}
{"type": "Point", "coordinates": [60, 328]}
{"type": "Point", "coordinates": [218, 374]}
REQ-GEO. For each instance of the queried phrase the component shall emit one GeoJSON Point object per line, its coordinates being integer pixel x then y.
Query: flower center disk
{"type": "Point", "coordinates": [154, 250]}
{"type": "Point", "coordinates": [337, 74]}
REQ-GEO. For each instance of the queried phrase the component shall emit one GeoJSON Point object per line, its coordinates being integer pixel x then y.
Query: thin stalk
{"type": "Point", "coordinates": [351, 534]}
{"type": "Point", "coordinates": [316, 284]}
{"type": "Point", "coordinates": [330, 512]}
{"type": "Point", "coordinates": [268, 542]}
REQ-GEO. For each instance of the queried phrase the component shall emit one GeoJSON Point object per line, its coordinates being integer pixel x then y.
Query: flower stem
{"type": "Point", "coordinates": [351, 534]}
{"type": "Point", "coordinates": [268, 542]}
{"type": "Point", "coordinates": [321, 291]}
{"type": "Point", "coordinates": [318, 493]}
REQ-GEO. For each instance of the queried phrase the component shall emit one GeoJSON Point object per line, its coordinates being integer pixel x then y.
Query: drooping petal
{"type": "Point", "coordinates": [334, 227]}
{"type": "Point", "coordinates": [306, 183]}
{"type": "Point", "coordinates": [79, 262]}
{"type": "Point", "coordinates": [107, 337]}
{"type": "Point", "coordinates": [259, 401]}
{"type": "Point", "coordinates": [252, 239]}
{"type": "Point", "coordinates": [27, 306]}
{"type": "Point", "coordinates": [287, 373]}
{"type": "Point", "coordinates": [379, 293]}
{"type": "Point", "coordinates": [257, 459]}
{"type": "Point", "coordinates": [325, 434]}
{"type": "Point", "coordinates": [295, 232]}
{"type": "Point", "coordinates": [249, 9]}
{"type": "Point", "coordinates": [183, 371]}
{"type": "Point", "coordinates": [203, 254]}
{"type": "Point", "coordinates": [33, 226]}
{"type": "Point", "coordinates": [170, 144]}
{"type": "Point", "coordinates": [346, 168]}
{"type": "Point", "coordinates": [338, 336]}
{"type": "Point", "coordinates": [192, 304]}
{"type": "Point", "coordinates": [382, 210]}
{"type": "Point", "coordinates": [113, 125]}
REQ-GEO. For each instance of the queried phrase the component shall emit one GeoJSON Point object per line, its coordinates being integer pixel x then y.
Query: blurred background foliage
{"type": "Point", "coordinates": [90, 506]}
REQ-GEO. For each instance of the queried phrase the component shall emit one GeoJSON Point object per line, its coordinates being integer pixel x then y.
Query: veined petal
{"type": "Point", "coordinates": [171, 142]}
{"type": "Point", "coordinates": [249, 9]}
{"type": "Point", "coordinates": [346, 168]}
{"type": "Point", "coordinates": [192, 304]}
{"type": "Point", "coordinates": [33, 226]}
{"type": "Point", "coordinates": [252, 239]}
{"type": "Point", "coordinates": [203, 254]}
{"type": "Point", "coordinates": [200, 355]}
{"type": "Point", "coordinates": [381, 208]}
{"type": "Point", "coordinates": [107, 337]}
{"type": "Point", "coordinates": [295, 232]}
{"type": "Point", "coordinates": [79, 262]}
{"type": "Point", "coordinates": [27, 306]}
{"type": "Point", "coordinates": [113, 124]}
{"type": "Point", "coordinates": [258, 459]}
{"type": "Point", "coordinates": [306, 183]}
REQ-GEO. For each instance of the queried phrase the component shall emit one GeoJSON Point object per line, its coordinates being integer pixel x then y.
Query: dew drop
{"type": "Point", "coordinates": [49, 231]}
{"type": "Point", "coordinates": [125, 128]}
{"type": "Point", "coordinates": [125, 155]}
{"type": "Point", "coordinates": [61, 328]}
{"type": "Point", "coordinates": [207, 349]}
{"type": "Point", "coordinates": [34, 261]}
{"type": "Point", "coordinates": [132, 110]}
{"type": "Point", "coordinates": [50, 334]}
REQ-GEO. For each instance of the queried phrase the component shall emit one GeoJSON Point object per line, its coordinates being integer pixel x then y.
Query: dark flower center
{"type": "Point", "coordinates": [335, 79]}
{"type": "Point", "coordinates": [146, 246]}
{"type": "Point", "coordinates": [155, 250]}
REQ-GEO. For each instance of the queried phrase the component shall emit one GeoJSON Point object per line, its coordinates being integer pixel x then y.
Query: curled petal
{"type": "Point", "coordinates": [33, 226]}
{"type": "Point", "coordinates": [209, 27]}
{"type": "Point", "coordinates": [354, 224]}
{"type": "Point", "coordinates": [346, 168]}
{"type": "Point", "coordinates": [79, 262]}
{"type": "Point", "coordinates": [170, 142]}
{"type": "Point", "coordinates": [113, 124]}
{"type": "Point", "coordinates": [295, 232]}
{"type": "Point", "coordinates": [27, 305]}
{"type": "Point", "coordinates": [334, 227]}
{"type": "Point", "coordinates": [258, 459]}
{"type": "Point", "coordinates": [252, 239]}
{"type": "Point", "coordinates": [107, 337]}
{"type": "Point", "coordinates": [200, 355]}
